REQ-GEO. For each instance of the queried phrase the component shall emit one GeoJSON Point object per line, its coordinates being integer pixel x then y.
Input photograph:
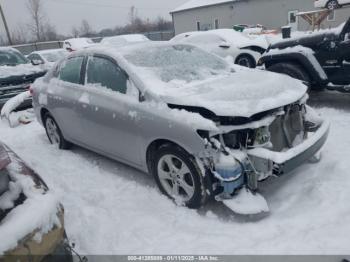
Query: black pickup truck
{"type": "Point", "coordinates": [321, 59]}
{"type": "Point", "coordinates": [16, 74]}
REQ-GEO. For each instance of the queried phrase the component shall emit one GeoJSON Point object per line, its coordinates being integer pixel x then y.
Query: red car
{"type": "Point", "coordinates": [31, 218]}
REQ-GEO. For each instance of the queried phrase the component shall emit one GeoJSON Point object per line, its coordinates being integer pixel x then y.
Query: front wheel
{"type": "Point", "coordinates": [332, 4]}
{"type": "Point", "coordinates": [178, 176]}
{"type": "Point", "coordinates": [54, 133]}
{"type": "Point", "coordinates": [246, 61]}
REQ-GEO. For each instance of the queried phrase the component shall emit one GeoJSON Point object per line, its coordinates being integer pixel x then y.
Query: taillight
{"type": "Point", "coordinates": [31, 91]}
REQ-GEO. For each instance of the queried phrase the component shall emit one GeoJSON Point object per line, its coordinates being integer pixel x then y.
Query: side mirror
{"type": "Point", "coordinates": [347, 37]}
{"type": "Point", "coordinates": [36, 62]}
{"type": "Point", "coordinates": [225, 45]}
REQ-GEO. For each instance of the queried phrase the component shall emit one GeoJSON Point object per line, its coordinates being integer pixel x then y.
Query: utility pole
{"type": "Point", "coordinates": [5, 24]}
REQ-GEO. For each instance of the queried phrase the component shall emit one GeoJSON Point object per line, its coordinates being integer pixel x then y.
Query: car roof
{"type": "Point", "coordinates": [7, 48]}
{"type": "Point", "coordinates": [47, 51]}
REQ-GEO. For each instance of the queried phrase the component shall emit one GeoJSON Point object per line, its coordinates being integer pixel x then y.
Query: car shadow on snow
{"type": "Point", "coordinates": [331, 99]}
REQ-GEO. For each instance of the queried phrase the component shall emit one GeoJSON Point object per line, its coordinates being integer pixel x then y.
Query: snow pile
{"type": "Point", "coordinates": [199, 3]}
{"type": "Point", "coordinates": [19, 70]}
{"type": "Point", "coordinates": [15, 118]}
{"type": "Point", "coordinates": [38, 212]}
{"type": "Point", "coordinates": [245, 202]}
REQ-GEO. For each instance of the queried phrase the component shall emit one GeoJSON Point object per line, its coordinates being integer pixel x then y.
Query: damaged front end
{"type": "Point", "coordinates": [247, 151]}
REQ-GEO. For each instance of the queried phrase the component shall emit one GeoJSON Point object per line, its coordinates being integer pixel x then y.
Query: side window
{"type": "Point", "coordinates": [71, 69]}
{"type": "Point", "coordinates": [106, 73]}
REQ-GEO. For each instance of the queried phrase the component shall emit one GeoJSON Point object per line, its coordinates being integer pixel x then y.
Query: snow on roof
{"type": "Point", "coordinates": [199, 3]}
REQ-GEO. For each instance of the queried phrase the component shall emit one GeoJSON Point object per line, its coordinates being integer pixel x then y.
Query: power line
{"type": "Point", "coordinates": [5, 24]}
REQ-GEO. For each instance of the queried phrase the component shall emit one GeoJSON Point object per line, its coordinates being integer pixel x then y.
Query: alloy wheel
{"type": "Point", "coordinates": [52, 131]}
{"type": "Point", "coordinates": [176, 178]}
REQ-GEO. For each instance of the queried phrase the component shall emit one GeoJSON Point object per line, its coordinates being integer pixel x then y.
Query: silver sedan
{"type": "Point", "coordinates": [202, 127]}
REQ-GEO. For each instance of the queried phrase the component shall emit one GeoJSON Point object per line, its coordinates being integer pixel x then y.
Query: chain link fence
{"type": "Point", "coordinates": [28, 48]}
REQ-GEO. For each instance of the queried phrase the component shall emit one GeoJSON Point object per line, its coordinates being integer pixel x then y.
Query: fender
{"type": "Point", "coordinates": [307, 61]}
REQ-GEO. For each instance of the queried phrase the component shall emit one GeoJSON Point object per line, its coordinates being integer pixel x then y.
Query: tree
{"type": "Point", "coordinates": [49, 32]}
{"type": "Point", "coordinates": [36, 12]}
{"type": "Point", "coordinates": [85, 28]}
{"type": "Point", "coordinates": [75, 32]}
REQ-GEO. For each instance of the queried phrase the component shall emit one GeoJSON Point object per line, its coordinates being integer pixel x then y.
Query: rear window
{"type": "Point", "coordinates": [71, 69]}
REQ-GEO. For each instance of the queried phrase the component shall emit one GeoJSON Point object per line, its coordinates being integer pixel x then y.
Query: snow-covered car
{"type": "Point", "coordinates": [122, 40]}
{"type": "Point", "coordinates": [31, 217]}
{"type": "Point", "coordinates": [331, 4]}
{"type": "Point", "coordinates": [201, 125]}
{"type": "Point", "coordinates": [47, 57]}
{"type": "Point", "coordinates": [244, 50]}
{"type": "Point", "coordinates": [75, 44]}
{"type": "Point", "coordinates": [321, 59]}
{"type": "Point", "coordinates": [16, 75]}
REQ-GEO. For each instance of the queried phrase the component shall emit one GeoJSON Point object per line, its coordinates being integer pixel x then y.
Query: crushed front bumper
{"type": "Point", "coordinates": [284, 162]}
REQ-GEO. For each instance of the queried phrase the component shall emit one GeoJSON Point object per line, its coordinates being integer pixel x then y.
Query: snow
{"type": "Point", "coordinates": [246, 203]}
{"type": "Point", "coordinates": [123, 212]}
{"type": "Point", "coordinates": [19, 70]}
{"type": "Point", "coordinates": [199, 3]}
{"type": "Point", "coordinates": [38, 212]}
{"type": "Point", "coordinates": [11, 105]}
{"type": "Point", "coordinates": [295, 35]}
{"type": "Point", "coordinates": [121, 40]}
{"type": "Point", "coordinates": [185, 75]}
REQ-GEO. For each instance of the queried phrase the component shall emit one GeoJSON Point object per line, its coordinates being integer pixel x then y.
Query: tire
{"type": "Point", "coordinates": [179, 177]}
{"type": "Point", "coordinates": [291, 69]}
{"type": "Point", "coordinates": [54, 133]}
{"type": "Point", "coordinates": [332, 4]}
{"type": "Point", "coordinates": [246, 61]}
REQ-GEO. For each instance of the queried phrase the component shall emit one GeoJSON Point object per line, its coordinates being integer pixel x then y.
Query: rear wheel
{"type": "Point", "coordinates": [332, 4]}
{"type": "Point", "coordinates": [246, 61]}
{"type": "Point", "coordinates": [292, 69]}
{"type": "Point", "coordinates": [178, 176]}
{"type": "Point", "coordinates": [54, 133]}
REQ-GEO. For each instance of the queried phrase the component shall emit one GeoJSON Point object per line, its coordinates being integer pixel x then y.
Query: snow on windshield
{"type": "Point", "coordinates": [11, 57]}
{"type": "Point", "coordinates": [177, 62]}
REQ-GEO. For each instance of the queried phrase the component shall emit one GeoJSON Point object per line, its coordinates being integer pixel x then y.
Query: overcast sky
{"type": "Point", "coordinates": [64, 14]}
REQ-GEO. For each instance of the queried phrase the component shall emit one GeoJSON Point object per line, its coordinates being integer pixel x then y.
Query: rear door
{"type": "Point", "coordinates": [63, 94]}
{"type": "Point", "coordinates": [109, 111]}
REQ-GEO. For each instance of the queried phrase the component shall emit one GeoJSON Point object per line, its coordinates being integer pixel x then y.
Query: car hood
{"type": "Point", "coordinates": [19, 70]}
{"type": "Point", "coordinates": [240, 94]}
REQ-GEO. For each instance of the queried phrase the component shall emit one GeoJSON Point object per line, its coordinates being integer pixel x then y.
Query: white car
{"type": "Point", "coordinates": [122, 40]}
{"type": "Point", "coordinates": [75, 44]}
{"type": "Point", "coordinates": [331, 4]}
{"type": "Point", "coordinates": [242, 49]}
{"type": "Point", "coordinates": [47, 57]}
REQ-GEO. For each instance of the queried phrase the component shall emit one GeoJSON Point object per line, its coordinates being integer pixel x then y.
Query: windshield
{"type": "Point", "coordinates": [54, 56]}
{"type": "Point", "coordinates": [12, 58]}
{"type": "Point", "coordinates": [178, 62]}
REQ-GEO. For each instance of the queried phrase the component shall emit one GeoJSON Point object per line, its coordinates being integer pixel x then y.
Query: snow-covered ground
{"type": "Point", "coordinates": [114, 209]}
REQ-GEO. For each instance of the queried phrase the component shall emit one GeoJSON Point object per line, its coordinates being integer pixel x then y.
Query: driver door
{"type": "Point", "coordinates": [109, 114]}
